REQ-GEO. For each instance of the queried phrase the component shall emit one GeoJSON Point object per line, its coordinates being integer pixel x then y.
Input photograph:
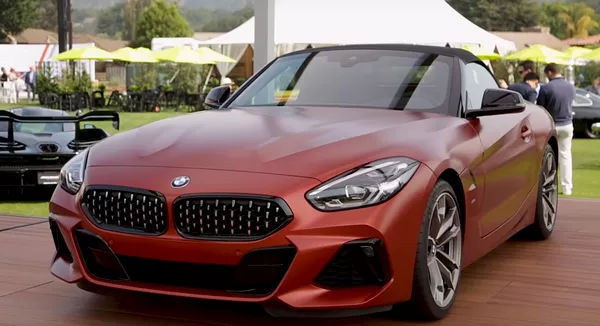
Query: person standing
{"type": "Point", "coordinates": [523, 87]}
{"type": "Point", "coordinates": [4, 75]}
{"type": "Point", "coordinates": [30, 82]}
{"type": "Point", "coordinates": [557, 98]}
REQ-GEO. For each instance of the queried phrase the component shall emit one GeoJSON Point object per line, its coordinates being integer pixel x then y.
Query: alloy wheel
{"type": "Point", "coordinates": [444, 250]}
{"type": "Point", "coordinates": [549, 191]}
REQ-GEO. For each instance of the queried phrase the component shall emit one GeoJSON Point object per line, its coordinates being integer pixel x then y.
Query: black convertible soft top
{"type": "Point", "coordinates": [462, 54]}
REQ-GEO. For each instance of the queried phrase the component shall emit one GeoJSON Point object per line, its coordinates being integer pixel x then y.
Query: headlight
{"type": "Point", "coordinates": [72, 173]}
{"type": "Point", "coordinates": [367, 185]}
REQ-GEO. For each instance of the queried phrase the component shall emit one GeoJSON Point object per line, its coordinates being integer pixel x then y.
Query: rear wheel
{"type": "Point", "coordinates": [547, 199]}
{"type": "Point", "coordinates": [592, 130]}
{"type": "Point", "coordinates": [439, 255]}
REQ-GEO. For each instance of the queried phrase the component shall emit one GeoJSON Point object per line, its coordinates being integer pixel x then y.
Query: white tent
{"type": "Point", "coordinates": [299, 23]}
{"type": "Point", "coordinates": [23, 56]}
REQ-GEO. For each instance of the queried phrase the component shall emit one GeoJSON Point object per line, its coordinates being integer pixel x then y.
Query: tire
{"type": "Point", "coordinates": [588, 131]}
{"type": "Point", "coordinates": [547, 198]}
{"type": "Point", "coordinates": [433, 255]}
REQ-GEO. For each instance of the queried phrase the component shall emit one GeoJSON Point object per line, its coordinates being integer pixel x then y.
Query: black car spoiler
{"type": "Point", "coordinates": [11, 118]}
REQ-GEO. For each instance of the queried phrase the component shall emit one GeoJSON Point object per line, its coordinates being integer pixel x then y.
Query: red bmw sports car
{"type": "Point", "coordinates": [340, 180]}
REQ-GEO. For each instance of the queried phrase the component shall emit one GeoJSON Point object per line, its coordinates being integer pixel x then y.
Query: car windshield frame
{"type": "Point", "coordinates": [412, 61]}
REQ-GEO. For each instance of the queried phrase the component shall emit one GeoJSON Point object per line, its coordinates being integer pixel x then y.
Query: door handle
{"type": "Point", "coordinates": [526, 134]}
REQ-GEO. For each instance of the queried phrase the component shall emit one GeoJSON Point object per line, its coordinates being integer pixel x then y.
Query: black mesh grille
{"type": "Point", "coordinates": [344, 270]}
{"type": "Point", "coordinates": [126, 210]}
{"type": "Point", "coordinates": [233, 217]}
{"type": "Point", "coordinates": [358, 263]}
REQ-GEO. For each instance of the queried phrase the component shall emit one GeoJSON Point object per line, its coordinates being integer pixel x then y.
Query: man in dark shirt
{"type": "Point", "coordinates": [3, 75]}
{"type": "Point", "coordinates": [557, 97]}
{"type": "Point", "coordinates": [524, 88]}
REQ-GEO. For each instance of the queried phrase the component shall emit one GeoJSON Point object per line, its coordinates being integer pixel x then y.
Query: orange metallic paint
{"type": "Point", "coordinates": [284, 152]}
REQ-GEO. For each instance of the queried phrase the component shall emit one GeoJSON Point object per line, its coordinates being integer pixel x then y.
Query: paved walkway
{"type": "Point", "coordinates": [554, 282]}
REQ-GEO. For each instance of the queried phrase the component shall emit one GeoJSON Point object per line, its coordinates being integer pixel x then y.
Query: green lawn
{"type": "Point", "coordinates": [586, 164]}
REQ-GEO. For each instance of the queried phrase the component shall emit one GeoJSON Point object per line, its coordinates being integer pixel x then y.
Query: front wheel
{"type": "Point", "coordinates": [439, 255]}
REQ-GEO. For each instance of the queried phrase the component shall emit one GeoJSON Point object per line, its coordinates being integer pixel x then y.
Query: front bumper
{"type": "Point", "coordinates": [29, 176]}
{"type": "Point", "coordinates": [30, 170]}
{"type": "Point", "coordinates": [297, 267]}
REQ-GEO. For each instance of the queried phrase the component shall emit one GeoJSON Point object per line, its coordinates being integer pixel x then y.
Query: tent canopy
{"type": "Point", "coordinates": [427, 22]}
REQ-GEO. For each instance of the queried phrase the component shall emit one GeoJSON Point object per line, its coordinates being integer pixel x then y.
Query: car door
{"type": "Point", "coordinates": [509, 165]}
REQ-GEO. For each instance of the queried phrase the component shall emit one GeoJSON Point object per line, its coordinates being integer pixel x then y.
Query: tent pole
{"type": "Point", "coordinates": [264, 33]}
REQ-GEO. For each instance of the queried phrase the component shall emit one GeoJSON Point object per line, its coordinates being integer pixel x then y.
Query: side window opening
{"type": "Point", "coordinates": [477, 80]}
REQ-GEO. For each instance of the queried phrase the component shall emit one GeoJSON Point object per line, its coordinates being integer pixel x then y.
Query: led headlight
{"type": "Point", "coordinates": [72, 173]}
{"type": "Point", "coordinates": [367, 185]}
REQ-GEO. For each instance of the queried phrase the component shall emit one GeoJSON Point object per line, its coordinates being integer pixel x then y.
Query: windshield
{"type": "Point", "coordinates": [384, 79]}
{"type": "Point", "coordinates": [34, 128]}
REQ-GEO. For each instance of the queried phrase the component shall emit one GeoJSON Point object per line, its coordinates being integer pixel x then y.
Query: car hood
{"type": "Point", "coordinates": [308, 141]}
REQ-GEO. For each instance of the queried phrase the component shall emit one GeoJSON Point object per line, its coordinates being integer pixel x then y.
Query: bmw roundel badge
{"type": "Point", "coordinates": [180, 182]}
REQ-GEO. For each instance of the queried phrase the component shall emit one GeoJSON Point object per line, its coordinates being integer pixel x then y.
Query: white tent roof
{"type": "Point", "coordinates": [430, 22]}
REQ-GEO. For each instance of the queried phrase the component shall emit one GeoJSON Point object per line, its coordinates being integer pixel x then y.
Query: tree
{"type": "Point", "coordinates": [578, 19]}
{"type": "Point", "coordinates": [498, 15]}
{"type": "Point", "coordinates": [550, 17]}
{"type": "Point", "coordinates": [224, 22]}
{"type": "Point", "coordinates": [47, 17]}
{"type": "Point", "coordinates": [111, 21]}
{"type": "Point", "coordinates": [17, 16]}
{"type": "Point", "coordinates": [161, 19]}
{"type": "Point", "coordinates": [132, 12]}
{"type": "Point", "coordinates": [568, 20]}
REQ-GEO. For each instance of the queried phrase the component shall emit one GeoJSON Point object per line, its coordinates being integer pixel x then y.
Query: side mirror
{"type": "Point", "coordinates": [89, 126]}
{"type": "Point", "coordinates": [217, 96]}
{"type": "Point", "coordinates": [78, 113]}
{"type": "Point", "coordinates": [498, 101]}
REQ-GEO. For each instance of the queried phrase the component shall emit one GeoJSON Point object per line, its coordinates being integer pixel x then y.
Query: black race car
{"type": "Point", "coordinates": [36, 142]}
{"type": "Point", "coordinates": [586, 119]}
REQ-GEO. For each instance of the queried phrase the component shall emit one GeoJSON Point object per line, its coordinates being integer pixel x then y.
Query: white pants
{"type": "Point", "coordinates": [565, 161]}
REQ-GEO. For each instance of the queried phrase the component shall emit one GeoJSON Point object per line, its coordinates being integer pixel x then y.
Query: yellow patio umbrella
{"type": "Point", "coordinates": [86, 53]}
{"type": "Point", "coordinates": [575, 52]}
{"type": "Point", "coordinates": [593, 55]}
{"type": "Point", "coordinates": [146, 51]}
{"type": "Point", "coordinates": [539, 53]}
{"type": "Point", "coordinates": [481, 53]}
{"type": "Point", "coordinates": [182, 54]}
{"type": "Point", "coordinates": [128, 54]}
{"type": "Point", "coordinates": [213, 55]}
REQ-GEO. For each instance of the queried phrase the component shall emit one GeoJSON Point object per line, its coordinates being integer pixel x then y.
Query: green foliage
{"type": "Point", "coordinates": [67, 82]}
{"type": "Point", "coordinates": [566, 18]}
{"type": "Point", "coordinates": [187, 78]}
{"type": "Point", "coordinates": [550, 17]}
{"type": "Point", "coordinates": [17, 15]}
{"type": "Point", "coordinates": [47, 17]}
{"type": "Point", "coordinates": [161, 19]}
{"type": "Point", "coordinates": [144, 75]}
{"type": "Point", "coordinates": [111, 21]}
{"type": "Point", "coordinates": [46, 83]}
{"type": "Point", "coordinates": [132, 11]}
{"type": "Point", "coordinates": [586, 74]}
{"type": "Point", "coordinates": [498, 15]}
{"type": "Point", "coordinates": [224, 22]}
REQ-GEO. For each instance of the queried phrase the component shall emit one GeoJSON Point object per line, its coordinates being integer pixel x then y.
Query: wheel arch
{"type": "Point", "coordinates": [452, 177]}
{"type": "Point", "coordinates": [553, 142]}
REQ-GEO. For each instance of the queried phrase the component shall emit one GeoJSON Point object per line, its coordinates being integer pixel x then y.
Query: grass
{"type": "Point", "coordinates": [586, 163]}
